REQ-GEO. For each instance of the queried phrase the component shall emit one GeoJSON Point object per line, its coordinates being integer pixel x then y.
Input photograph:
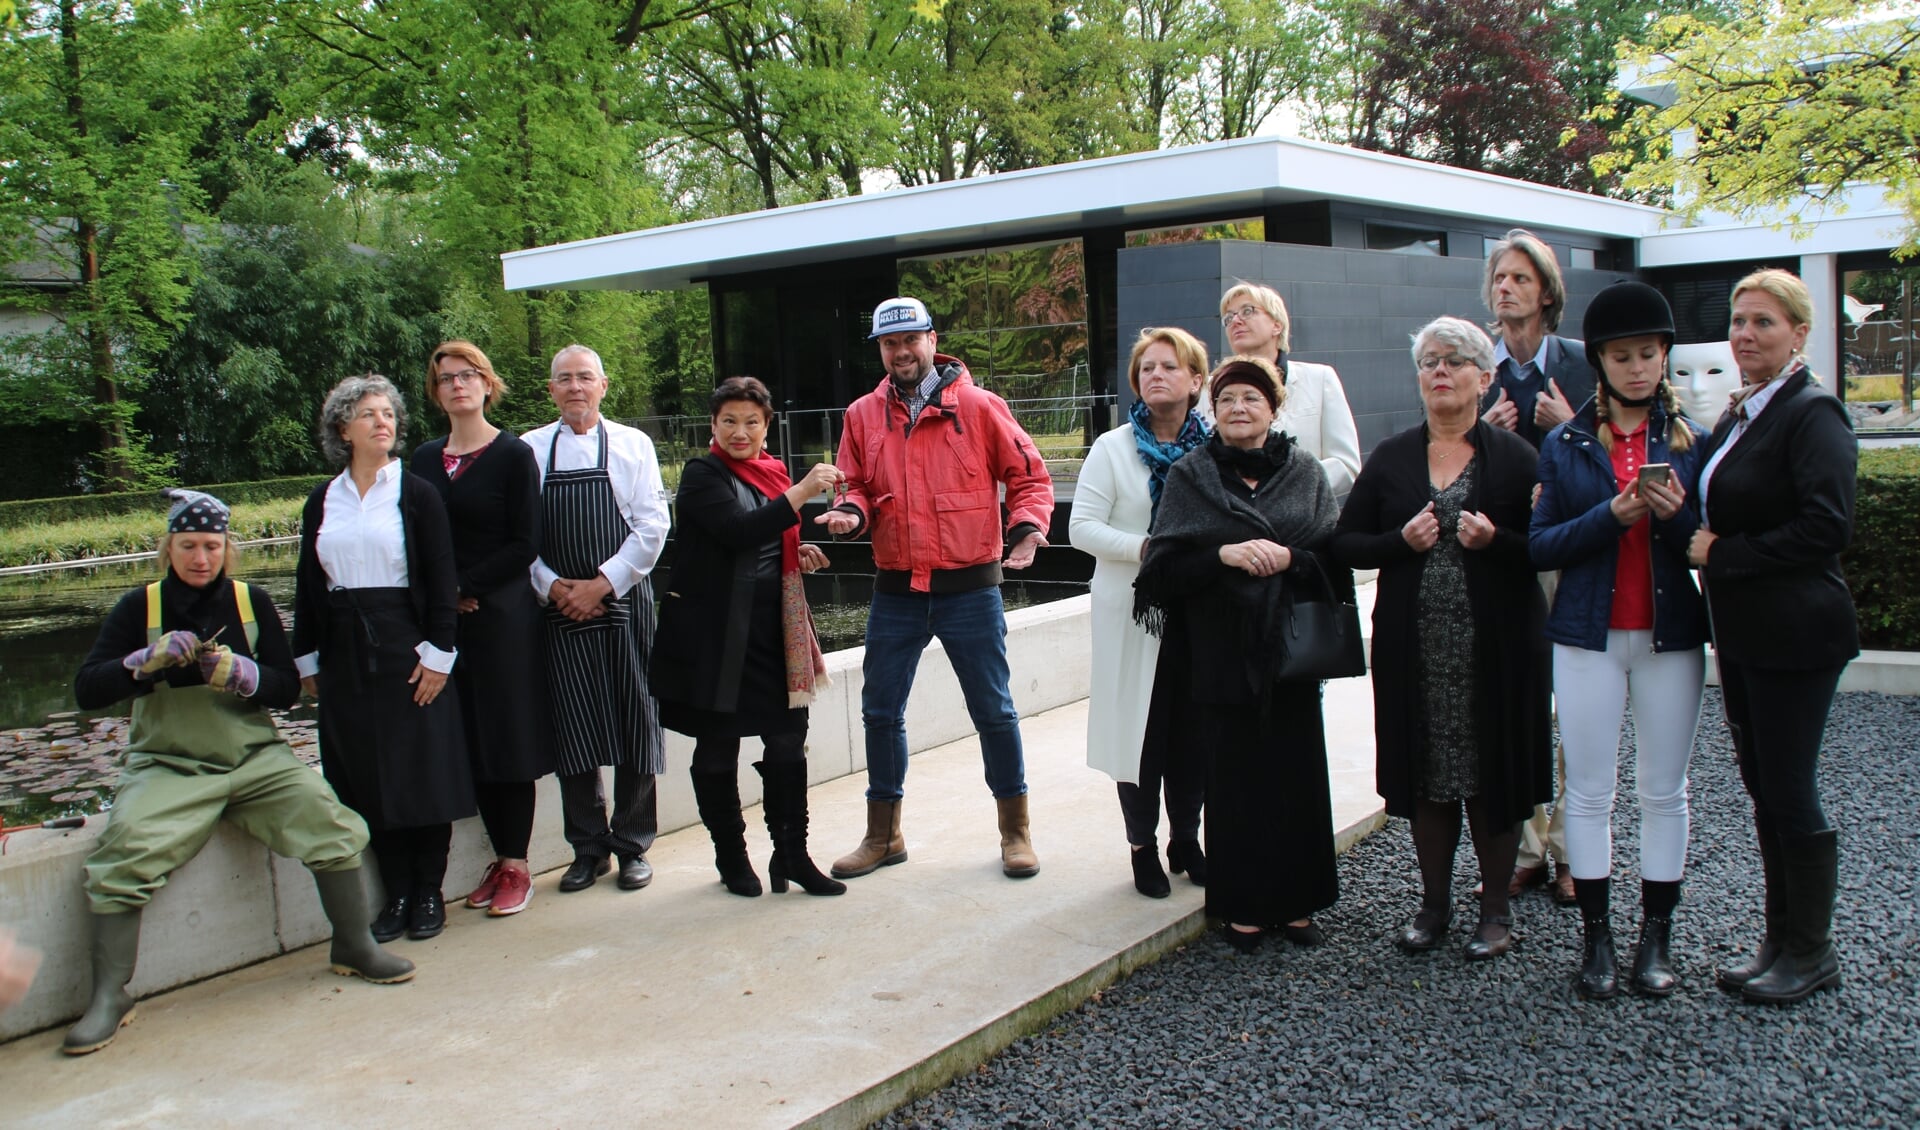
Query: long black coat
{"type": "Point", "coordinates": [1511, 661]}
{"type": "Point", "coordinates": [709, 631]}
{"type": "Point", "coordinates": [1781, 503]}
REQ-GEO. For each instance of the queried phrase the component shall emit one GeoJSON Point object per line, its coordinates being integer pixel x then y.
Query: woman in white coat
{"type": "Point", "coordinates": [1132, 714]}
{"type": "Point", "coordinates": [1316, 413]}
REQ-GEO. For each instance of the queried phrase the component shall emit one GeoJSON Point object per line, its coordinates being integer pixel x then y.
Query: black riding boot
{"type": "Point", "coordinates": [1733, 978]}
{"type": "Point", "coordinates": [785, 801]}
{"type": "Point", "coordinates": [718, 797]}
{"type": "Point", "coordinates": [1807, 962]}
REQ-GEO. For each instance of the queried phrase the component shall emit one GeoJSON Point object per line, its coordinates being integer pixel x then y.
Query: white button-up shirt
{"type": "Point", "coordinates": [363, 545]}
{"type": "Point", "coordinates": [635, 473]}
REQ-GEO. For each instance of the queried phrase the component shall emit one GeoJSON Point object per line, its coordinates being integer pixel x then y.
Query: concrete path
{"type": "Point", "coordinates": [682, 1005]}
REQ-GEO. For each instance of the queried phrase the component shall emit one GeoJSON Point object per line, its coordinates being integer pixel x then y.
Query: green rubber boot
{"type": "Point", "coordinates": [343, 895]}
{"type": "Point", "coordinates": [116, 943]}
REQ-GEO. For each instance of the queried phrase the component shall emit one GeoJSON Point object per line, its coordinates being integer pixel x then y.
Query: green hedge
{"type": "Point", "coordinates": [1883, 565]}
{"type": "Point", "coordinates": [48, 511]}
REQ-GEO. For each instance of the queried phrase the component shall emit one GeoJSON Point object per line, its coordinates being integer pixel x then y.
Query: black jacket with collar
{"type": "Point", "coordinates": [1781, 507]}
{"type": "Point", "coordinates": [432, 582]}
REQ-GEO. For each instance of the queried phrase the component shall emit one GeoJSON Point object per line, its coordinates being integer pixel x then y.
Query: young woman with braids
{"type": "Point", "coordinates": [1628, 623]}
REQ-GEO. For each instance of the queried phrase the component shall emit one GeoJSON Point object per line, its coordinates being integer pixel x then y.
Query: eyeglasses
{"type": "Point", "coordinates": [1228, 403]}
{"type": "Point", "coordinates": [1244, 314]}
{"type": "Point", "coordinates": [463, 377]}
{"type": "Point", "coordinates": [565, 379]}
{"type": "Point", "coordinates": [1453, 361]}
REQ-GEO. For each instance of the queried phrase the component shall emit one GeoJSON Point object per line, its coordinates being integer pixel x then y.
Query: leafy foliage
{"type": "Point", "coordinates": [1782, 110]}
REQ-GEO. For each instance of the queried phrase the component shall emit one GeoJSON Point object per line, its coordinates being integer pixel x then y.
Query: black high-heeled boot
{"type": "Point", "coordinates": [785, 802]}
{"type": "Point", "coordinates": [717, 796]}
{"type": "Point", "coordinates": [1148, 879]}
{"type": "Point", "coordinates": [1185, 855]}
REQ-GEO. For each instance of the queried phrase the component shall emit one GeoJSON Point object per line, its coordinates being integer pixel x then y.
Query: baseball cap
{"type": "Point", "coordinates": [899, 316]}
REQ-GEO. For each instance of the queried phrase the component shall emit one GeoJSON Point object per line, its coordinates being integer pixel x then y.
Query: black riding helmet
{"type": "Point", "coordinates": [1625, 309]}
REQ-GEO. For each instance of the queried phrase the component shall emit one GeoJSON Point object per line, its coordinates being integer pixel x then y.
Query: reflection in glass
{"type": "Point", "coordinates": [1016, 315]}
{"type": "Point", "coordinates": [1253, 229]}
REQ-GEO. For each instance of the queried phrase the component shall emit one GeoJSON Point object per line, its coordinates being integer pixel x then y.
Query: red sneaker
{"type": "Point", "coordinates": [483, 895]}
{"type": "Point", "coordinates": [511, 894]}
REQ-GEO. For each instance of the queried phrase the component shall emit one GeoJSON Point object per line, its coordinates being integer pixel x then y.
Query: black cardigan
{"type": "Point", "coordinates": [494, 509]}
{"type": "Point", "coordinates": [1781, 503]}
{"type": "Point", "coordinates": [102, 681]}
{"type": "Point", "coordinates": [706, 614]}
{"type": "Point", "coordinates": [1511, 656]}
{"type": "Point", "coordinates": [430, 571]}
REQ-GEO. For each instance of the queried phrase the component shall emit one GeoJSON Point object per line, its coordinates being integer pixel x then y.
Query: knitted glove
{"type": "Point", "coordinates": [225, 671]}
{"type": "Point", "coordinates": [172, 649]}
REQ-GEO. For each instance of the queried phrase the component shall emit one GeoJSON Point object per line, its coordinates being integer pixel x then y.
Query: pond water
{"type": "Point", "coordinates": [56, 760]}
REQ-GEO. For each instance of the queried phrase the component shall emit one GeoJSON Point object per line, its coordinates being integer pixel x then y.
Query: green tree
{"type": "Point", "coordinates": [100, 106]}
{"type": "Point", "coordinates": [1780, 112]}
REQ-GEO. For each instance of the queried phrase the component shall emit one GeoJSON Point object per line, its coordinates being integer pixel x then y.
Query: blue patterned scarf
{"type": "Point", "coordinates": [1159, 457]}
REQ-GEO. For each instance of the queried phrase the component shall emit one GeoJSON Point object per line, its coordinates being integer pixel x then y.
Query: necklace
{"type": "Point", "coordinates": [1444, 456]}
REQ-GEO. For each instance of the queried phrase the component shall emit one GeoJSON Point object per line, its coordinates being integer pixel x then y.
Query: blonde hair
{"type": "Point", "coordinates": [1785, 287]}
{"type": "Point", "coordinates": [1187, 350]}
{"type": "Point", "coordinates": [471, 354]}
{"type": "Point", "coordinates": [1267, 299]}
{"type": "Point", "coordinates": [1679, 436]}
{"type": "Point", "coordinates": [229, 555]}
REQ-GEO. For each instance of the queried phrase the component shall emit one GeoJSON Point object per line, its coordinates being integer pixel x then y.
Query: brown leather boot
{"type": "Point", "coordinates": [882, 846]}
{"type": "Point", "coordinates": [1016, 849]}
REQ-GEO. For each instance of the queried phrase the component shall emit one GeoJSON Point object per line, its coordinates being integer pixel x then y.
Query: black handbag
{"type": "Point", "coordinates": [1322, 636]}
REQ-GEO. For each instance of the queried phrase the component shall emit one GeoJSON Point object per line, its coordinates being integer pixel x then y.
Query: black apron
{"type": "Point", "coordinates": [596, 670]}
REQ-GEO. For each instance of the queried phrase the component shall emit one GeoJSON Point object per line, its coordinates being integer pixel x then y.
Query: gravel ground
{"type": "Point", "coordinates": [1358, 1034]}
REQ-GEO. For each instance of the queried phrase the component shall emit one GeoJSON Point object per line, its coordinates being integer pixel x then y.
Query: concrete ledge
{"type": "Point", "coordinates": [236, 904]}
{"type": "Point", "coordinates": [1881, 672]}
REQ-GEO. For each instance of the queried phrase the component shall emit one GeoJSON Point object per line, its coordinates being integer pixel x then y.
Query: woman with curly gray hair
{"type": "Point", "coordinates": [373, 639]}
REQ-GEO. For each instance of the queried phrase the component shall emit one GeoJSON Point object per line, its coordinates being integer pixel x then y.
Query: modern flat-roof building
{"type": "Point", "coordinates": [1040, 279]}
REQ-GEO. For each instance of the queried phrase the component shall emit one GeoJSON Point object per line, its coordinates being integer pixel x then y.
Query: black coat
{"type": "Point", "coordinates": [708, 631]}
{"type": "Point", "coordinates": [431, 579]}
{"type": "Point", "coordinates": [1781, 504]}
{"type": "Point", "coordinates": [1511, 659]}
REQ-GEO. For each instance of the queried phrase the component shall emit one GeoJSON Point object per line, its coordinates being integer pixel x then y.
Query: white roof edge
{"type": "Point", "coordinates": [998, 207]}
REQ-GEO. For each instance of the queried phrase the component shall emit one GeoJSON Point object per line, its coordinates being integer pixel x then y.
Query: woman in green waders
{"type": "Point", "coordinates": [204, 657]}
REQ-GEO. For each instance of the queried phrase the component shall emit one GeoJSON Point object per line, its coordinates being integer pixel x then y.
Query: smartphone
{"type": "Point", "coordinates": [1661, 473]}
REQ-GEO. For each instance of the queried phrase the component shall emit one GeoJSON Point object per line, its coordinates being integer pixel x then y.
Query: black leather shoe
{"type": "Point", "coordinates": [1148, 879]}
{"type": "Point", "coordinates": [1309, 935]}
{"type": "Point", "coordinates": [1185, 855]}
{"type": "Point", "coordinates": [428, 917]}
{"type": "Point", "coordinates": [1653, 973]}
{"type": "Point", "coordinates": [1424, 932]}
{"type": "Point", "coordinates": [585, 870]}
{"type": "Point", "coordinates": [1599, 978]}
{"type": "Point", "coordinates": [1246, 941]}
{"type": "Point", "coordinates": [393, 920]}
{"type": "Point", "coordinates": [1485, 945]}
{"type": "Point", "coordinates": [635, 872]}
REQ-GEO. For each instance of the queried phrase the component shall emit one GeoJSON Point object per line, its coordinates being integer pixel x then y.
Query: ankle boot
{"type": "Point", "coordinates": [1599, 977]}
{"type": "Point", "coordinates": [717, 795]}
{"type": "Point", "coordinates": [1733, 978]}
{"type": "Point", "coordinates": [1653, 973]}
{"type": "Point", "coordinates": [1599, 971]}
{"type": "Point", "coordinates": [354, 953]}
{"type": "Point", "coordinates": [1185, 855]}
{"type": "Point", "coordinates": [785, 802]}
{"type": "Point", "coordinates": [1148, 879]}
{"type": "Point", "coordinates": [882, 846]}
{"type": "Point", "coordinates": [1017, 858]}
{"type": "Point", "coordinates": [116, 943]}
{"type": "Point", "coordinates": [1807, 962]}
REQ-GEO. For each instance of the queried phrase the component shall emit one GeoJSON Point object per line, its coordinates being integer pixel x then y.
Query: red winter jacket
{"type": "Point", "coordinates": [929, 492]}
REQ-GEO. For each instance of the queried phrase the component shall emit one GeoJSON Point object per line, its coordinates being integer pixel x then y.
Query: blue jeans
{"type": "Point", "coordinates": [972, 627]}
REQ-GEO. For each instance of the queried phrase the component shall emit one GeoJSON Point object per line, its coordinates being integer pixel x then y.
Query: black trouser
{"type": "Point", "coordinates": [506, 809]}
{"type": "Point", "coordinates": [1168, 762]}
{"type": "Point", "coordinates": [583, 807]}
{"type": "Point", "coordinates": [412, 860]}
{"type": "Point", "coordinates": [1777, 719]}
{"type": "Point", "coordinates": [722, 754]}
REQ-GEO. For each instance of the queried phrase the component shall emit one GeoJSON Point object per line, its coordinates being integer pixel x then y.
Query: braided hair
{"type": "Point", "coordinates": [1679, 436]}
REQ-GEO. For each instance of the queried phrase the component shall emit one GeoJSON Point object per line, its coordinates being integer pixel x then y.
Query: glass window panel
{"type": "Point", "coordinates": [1252, 229]}
{"type": "Point", "coordinates": [1581, 258]}
{"type": "Point", "coordinates": [954, 287]}
{"type": "Point", "coordinates": [1405, 241]}
{"type": "Point", "coordinates": [1039, 362]}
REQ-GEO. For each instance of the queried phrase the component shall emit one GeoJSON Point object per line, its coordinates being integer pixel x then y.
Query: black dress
{"type": "Point", "coordinates": [719, 658]}
{"type": "Point", "coordinates": [396, 763]}
{"type": "Point", "coordinates": [493, 506]}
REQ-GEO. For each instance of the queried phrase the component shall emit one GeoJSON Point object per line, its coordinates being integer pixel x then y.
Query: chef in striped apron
{"type": "Point", "coordinates": [603, 521]}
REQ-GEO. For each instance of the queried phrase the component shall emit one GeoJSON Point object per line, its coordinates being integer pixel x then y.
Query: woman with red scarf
{"type": "Point", "coordinates": [735, 653]}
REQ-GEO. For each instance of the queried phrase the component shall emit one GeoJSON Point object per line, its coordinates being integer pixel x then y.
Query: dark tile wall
{"type": "Point", "coordinates": [1351, 309]}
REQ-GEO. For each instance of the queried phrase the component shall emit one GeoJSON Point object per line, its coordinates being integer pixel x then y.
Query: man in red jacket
{"type": "Point", "coordinates": [925, 455]}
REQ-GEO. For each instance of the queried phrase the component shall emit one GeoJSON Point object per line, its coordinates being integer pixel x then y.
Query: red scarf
{"type": "Point", "coordinates": [767, 473]}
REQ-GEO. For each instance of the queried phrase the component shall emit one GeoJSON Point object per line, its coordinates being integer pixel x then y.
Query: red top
{"type": "Point", "coordinates": [1633, 574]}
